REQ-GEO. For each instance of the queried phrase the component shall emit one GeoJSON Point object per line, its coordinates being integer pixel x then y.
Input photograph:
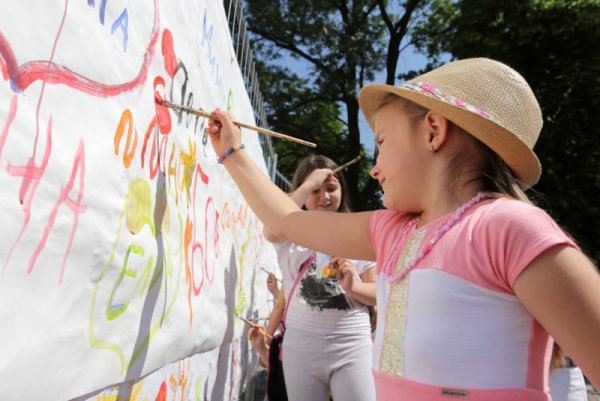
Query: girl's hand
{"type": "Point", "coordinates": [348, 271]}
{"type": "Point", "coordinates": [316, 179]}
{"type": "Point", "coordinates": [272, 285]}
{"type": "Point", "coordinates": [223, 133]}
{"type": "Point", "coordinates": [258, 338]}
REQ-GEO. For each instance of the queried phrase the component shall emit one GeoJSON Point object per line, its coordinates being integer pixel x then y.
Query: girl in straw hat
{"type": "Point", "coordinates": [473, 279]}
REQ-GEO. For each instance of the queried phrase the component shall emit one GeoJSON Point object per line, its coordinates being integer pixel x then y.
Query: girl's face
{"type": "Point", "coordinates": [400, 163]}
{"type": "Point", "coordinates": [328, 197]}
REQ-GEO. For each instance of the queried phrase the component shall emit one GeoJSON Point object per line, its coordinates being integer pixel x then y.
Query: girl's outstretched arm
{"type": "Point", "coordinates": [561, 289]}
{"type": "Point", "coordinates": [341, 234]}
{"type": "Point", "coordinates": [299, 196]}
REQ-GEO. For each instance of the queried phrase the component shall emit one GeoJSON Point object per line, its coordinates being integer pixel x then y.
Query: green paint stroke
{"type": "Point", "coordinates": [198, 389]}
{"type": "Point", "coordinates": [114, 311]}
{"type": "Point", "coordinates": [230, 100]}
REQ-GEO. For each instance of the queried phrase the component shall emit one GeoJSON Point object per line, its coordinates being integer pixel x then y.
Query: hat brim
{"type": "Point", "coordinates": [515, 153]}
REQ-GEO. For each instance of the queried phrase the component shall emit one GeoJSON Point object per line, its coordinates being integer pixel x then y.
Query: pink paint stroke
{"type": "Point", "coordinates": [33, 173]}
{"type": "Point", "coordinates": [74, 205]}
{"type": "Point", "coordinates": [12, 112]}
{"type": "Point", "coordinates": [46, 71]}
{"type": "Point", "coordinates": [26, 183]}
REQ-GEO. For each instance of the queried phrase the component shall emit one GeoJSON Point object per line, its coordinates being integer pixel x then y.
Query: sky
{"type": "Point", "coordinates": [409, 60]}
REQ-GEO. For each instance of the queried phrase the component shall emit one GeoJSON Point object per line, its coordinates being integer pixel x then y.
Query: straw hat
{"type": "Point", "coordinates": [486, 98]}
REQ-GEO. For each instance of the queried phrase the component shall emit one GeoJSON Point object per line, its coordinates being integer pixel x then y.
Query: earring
{"type": "Point", "coordinates": [433, 149]}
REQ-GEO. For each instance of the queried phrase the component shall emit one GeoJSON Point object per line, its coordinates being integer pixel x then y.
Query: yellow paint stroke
{"type": "Point", "coordinates": [189, 166]}
{"type": "Point", "coordinates": [138, 206]}
{"type": "Point", "coordinates": [181, 381]}
{"type": "Point", "coordinates": [113, 397]}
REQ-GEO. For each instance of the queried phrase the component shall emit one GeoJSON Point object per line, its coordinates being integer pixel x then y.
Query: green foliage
{"type": "Point", "coordinates": [555, 45]}
{"type": "Point", "coordinates": [336, 48]}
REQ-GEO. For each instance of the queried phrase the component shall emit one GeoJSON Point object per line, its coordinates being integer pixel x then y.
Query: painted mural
{"type": "Point", "coordinates": [126, 249]}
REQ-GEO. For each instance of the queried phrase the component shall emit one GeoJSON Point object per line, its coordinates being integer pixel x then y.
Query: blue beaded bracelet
{"type": "Point", "coordinates": [230, 151]}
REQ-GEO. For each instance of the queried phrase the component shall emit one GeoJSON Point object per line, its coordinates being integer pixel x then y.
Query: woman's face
{"type": "Point", "coordinates": [328, 197]}
{"type": "Point", "coordinates": [399, 165]}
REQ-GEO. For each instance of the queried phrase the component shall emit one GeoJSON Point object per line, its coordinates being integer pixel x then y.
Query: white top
{"type": "Point", "coordinates": [319, 304]}
{"type": "Point", "coordinates": [567, 384]}
{"type": "Point", "coordinates": [454, 320]}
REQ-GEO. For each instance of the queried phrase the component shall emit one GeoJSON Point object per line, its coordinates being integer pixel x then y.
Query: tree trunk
{"type": "Point", "coordinates": [354, 148]}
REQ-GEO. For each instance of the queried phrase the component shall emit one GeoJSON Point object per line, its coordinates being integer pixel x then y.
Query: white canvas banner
{"type": "Point", "coordinates": [125, 246]}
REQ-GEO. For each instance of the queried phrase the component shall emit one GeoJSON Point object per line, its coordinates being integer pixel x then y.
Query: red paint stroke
{"type": "Point", "coordinates": [168, 53]}
{"type": "Point", "coordinates": [211, 277]}
{"type": "Point", "coordinates": [162, 154]}
{"type": "Point", "coordinates": [191, 245]}
{"type": "Point", "coordinates": [22, 76]}
{"type": "Point", "coordinates": [202, 174]}
{"type": "Point", "coordinates": [12, 111]}
{"type": "Point", "coordinates": [153, 163]}
{"type": "Point", "coordinates": [3, 67]}
{"type": "Point", "coordinates": [162, 113]}
{"type": "Point", "coordinates": [31, 174]}
{"type": "Point", "coordinates": [162, 392]}
{"type": "Point", "coordinates": [74, 205]}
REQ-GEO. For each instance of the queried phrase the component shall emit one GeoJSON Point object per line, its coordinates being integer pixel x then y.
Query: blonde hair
{"type": "Point", "coordinates": [558, 360]}
{"type": "Point", "coordinates": [495, 175]}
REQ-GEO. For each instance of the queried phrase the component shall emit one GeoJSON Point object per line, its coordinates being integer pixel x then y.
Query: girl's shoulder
{"type": "Point", "coordinates": [515, 218]}
{"type": "Point", "coordinates": [505, 210]}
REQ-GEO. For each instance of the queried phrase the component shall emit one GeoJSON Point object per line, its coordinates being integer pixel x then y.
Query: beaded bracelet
{"type": "Point", "coordinates": [229, 151]}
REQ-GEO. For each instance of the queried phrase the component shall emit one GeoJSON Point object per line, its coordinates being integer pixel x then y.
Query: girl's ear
{"type": "Point", "coordinates": [436, 128]}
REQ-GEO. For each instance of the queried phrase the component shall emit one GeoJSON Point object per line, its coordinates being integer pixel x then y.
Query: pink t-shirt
{"type": "Point", "coordinates": [453, 327]}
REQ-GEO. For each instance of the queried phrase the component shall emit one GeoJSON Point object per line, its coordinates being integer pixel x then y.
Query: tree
{"type": "Point", "coordinates": [555, 45]}
{"type": "Point", "coordinates": [338, 47]}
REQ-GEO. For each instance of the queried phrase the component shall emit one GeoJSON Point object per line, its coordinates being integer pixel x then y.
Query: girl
{"type": "Point", "coordinates": [327, 343]}
{"type": "Point", "coordinates": [472, 278]}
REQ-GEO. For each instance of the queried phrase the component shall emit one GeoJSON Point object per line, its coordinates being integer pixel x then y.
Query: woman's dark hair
{"type": "Point", "coordinates": [313, 162]}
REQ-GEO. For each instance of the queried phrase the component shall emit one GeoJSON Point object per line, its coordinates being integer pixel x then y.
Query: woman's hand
{"type": "Point", "coordinates": [316, 179]}
{"type": "Point", "coordinates": [223, 133]}
{"type": "Point", "coordinates": [348, 272]}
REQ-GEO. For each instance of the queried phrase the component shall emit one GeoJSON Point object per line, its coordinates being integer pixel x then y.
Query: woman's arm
{"type": "Point", "coordinates": [561, 289]}
{"type": "Point", "coordinates": [345, 234]}
{"type": "Point", "coordinates": [277, 312]}
{"type": "Point", "coordinates": [300, 195]}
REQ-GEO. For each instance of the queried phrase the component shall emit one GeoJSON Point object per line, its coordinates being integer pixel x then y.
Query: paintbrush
{"type": "Point", "coordinates": [266, 271]}
{"type": "Point", "coordinates": [252, 324]}
{"type": "Point", "coordinates": [343, 166]}
{"type": "Point", "coordinates": [206, 114]}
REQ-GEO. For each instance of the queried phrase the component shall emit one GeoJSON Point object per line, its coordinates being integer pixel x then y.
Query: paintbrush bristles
{"type": "Point", "coordinates": [343, 166]}
{"type": "Point", "coordinates": [206, 114]}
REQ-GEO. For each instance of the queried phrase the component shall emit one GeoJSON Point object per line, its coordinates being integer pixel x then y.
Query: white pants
{"type": "Point", "coordinates": [314, 363]}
